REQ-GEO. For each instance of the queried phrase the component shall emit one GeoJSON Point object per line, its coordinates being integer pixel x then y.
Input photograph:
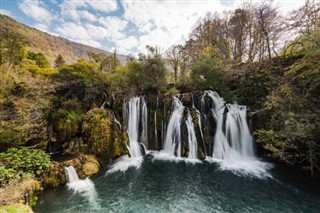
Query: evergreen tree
{"type": "Point", "coordinates": [59, 62]}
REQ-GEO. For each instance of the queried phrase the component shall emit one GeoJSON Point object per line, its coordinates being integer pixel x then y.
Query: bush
{"type": "Point", "coordinates": [206, 74]}
{"type": "Point", "coordinates": [33, 161]}
{"type": "Point", "coordinates": [6, 174]}
{"type": "Point", "coordinates": [66, 123]}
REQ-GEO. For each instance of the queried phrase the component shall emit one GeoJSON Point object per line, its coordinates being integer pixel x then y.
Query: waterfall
{"type": "Point", "coordinates": [173, 135]}
{"type": "Point", "coordinates": [144, 121]}
{"type": "Point", "coordinates": [72, 175]}
{"type": "Point", "coordinates": [104, 101]}
{"type": "Point", "coordinates": [234, 140]}
{"type": "Point", "coordinates": [155, 123]}
{"type": "Point", "coordinates": [135, 115]}
{"type": "Point", "coordinates": [237, 130]}
{"type": "Point", "coordinates": [201, 132]}
{"type": "Point", "coordinates": [77, 184]}
{"type": "Point", "coordinates": [192, 140]}
{"type": "Point", "coordinates": [133, 126]}
{"type": "Point", "coordinates": [221, 148]}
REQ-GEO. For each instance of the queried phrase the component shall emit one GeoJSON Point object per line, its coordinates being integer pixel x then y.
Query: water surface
{"type": "Point", "coordinates": [180, 186]}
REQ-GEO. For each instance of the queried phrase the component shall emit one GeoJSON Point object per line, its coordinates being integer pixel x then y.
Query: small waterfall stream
{"type": "Point", "coordinates": [221, 147]}
{"type": "Point", "coordinates": [77, 184]}
{"type": "Point", "coordinates": [133, 126]}
{"type": "Point", "coordinates": [192, 140]}
{"type": "Point", "coordinates": [173, 135]}
{"type": "Point", "coordinates": [135, 116]}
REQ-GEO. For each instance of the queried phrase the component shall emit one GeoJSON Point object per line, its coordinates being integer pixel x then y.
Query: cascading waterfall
{"type": "Point", "coordinates": [72, 175]}
{"type": "Point", "coordinates": [235, 141]}
{"type": "Point", "coordinates": [155, 123]}
{"type": "Point", "coordinates": [221, 148]}
{"type": "Point", "coordinates": [135, 115]}
{"type": "Point", "coordinates": [192, 140]}
{"type": "Point", "coordinates": [222, 128]}
{"type": "Point", "coordinates": [237, 130]}
{"type": "Point", "coordinates": [133, 126]}
{"type": "Point", "coordinates": [144, 122]}
{"type": "Point", "coordinates": [77, 184]}
{"type": "Point", "coordinates": [201, 132]}
{"type": "Point", "coordinates": [173, 135]}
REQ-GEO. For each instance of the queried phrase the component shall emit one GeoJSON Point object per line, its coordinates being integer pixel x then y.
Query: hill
{"type": "Point", "coordinates": [50, 45]}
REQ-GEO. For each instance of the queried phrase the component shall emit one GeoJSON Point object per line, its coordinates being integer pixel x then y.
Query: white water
{"type": "Point", "coordinates": [192, 139]}
{"type": "Point", "coordinates": [233, 146]}
{"type": "Point", "coordinates": [237, 130]}
{"type": "Point", "coordinates": [104, 102]}
{"type": "Point", "coordinates": [133, 126]}
{"type": "Point", "coordinates": [173, 135]}
{"type": "Point", "coordinates": [144, 121]}
{"type": "Point", "coordinates": [124, 163]}
{"type": "Point", "coordinates": [75, 183]}
{"type": "Point", "coordinates": [221, 148]}
{"type": "Point", "coordinates": [201, 132]}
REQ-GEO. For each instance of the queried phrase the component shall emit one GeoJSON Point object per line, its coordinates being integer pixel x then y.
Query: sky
{"type": "Point", "coordinates": [125, 25]}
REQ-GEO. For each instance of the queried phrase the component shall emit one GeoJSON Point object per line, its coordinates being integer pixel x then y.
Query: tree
{"type": "Point", "coordinates": [107, 63]}
{"type": "Point", "coordinates": [59, 62]}
{"type": "Point", "coordinates": [39, 59]}
{"type": "Point", "coordinates": [206, 73]}
{"type": "Point", "coordinates": [12, 47]}
{"type": "Point", "coordinates": [174, 54]}
{"type": "Point", "coordinates": [238, 33]}
{"type": "Point", "coordinates": [269, 26]}
{"type": "Point", "coordinates": [307, 22]}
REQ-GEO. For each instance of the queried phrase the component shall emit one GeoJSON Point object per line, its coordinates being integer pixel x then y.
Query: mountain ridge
{"type": "Point", "coordinates": [50, 45]}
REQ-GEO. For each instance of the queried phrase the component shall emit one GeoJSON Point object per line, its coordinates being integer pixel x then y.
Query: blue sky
{"type": "Point", "coordinates": [127, 25]}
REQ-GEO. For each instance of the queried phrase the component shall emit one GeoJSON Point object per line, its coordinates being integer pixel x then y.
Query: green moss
{"type": "Point", "coordinates": [104, 137]}
{"type": "Point", "coordinates": [55, 175]}
{"type": "Point", "coordinates": [16, 208]}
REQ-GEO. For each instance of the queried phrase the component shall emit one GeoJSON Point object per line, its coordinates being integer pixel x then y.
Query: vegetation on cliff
{"type": "Point", "coordinates": [60, 110]}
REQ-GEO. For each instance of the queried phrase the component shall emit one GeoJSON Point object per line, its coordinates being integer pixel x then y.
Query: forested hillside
{"type": "Point", "coordinates": [51, 46]}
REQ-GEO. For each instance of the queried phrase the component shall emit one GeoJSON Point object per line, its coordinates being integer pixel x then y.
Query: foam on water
{"type": "Point", "coordinates": [81, 186]}
{"type": "Point", "coordinates": [124, 163]}
{"type": "Point", "coordinates": [168, 157]}
{"type": "Point", "coordinates": [244, 167]}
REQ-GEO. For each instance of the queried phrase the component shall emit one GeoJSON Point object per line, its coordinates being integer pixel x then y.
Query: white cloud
{"type": "Point", "coordinates": [42, 27]}
{"type": "Point", "coordinates": [113, 22]}
{"type": "Point", "coordinates": [163, 23]}
{"type": "Point", "coordinates": [5, 12]}
{"type": "Point", "coordinates": [103, 5]}
{"type": "Point", "coordinates": [87, 34]}
{"type": "Point", "coordinates": [125, 45]}
{"type": "Point", "coordinates": [36, 10]}
{"type": "Point", "coordinates": [87, 16]}
{"type": "Point", "coordinates": [114, 26]}
{"type": "Point", "coordinates": [74, 9]}
{"type": "Point", "coordinates": [73, 31]}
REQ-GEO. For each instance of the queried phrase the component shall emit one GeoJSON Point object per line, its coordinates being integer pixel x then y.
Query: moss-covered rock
{"type": "Point", "coordinates": [55, 175]}
{"type": "Point", "coordinates": [91, 166]}
{"type": "Point", "coordinates": [16, 208]}
{"type": "Point", "coordinates": [105, 138]}
{"type": "Point", "coordinates": [85, 165]}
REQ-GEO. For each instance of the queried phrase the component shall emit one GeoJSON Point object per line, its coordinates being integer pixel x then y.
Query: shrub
{"type": "Point", "coordinates": [33, 161]}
